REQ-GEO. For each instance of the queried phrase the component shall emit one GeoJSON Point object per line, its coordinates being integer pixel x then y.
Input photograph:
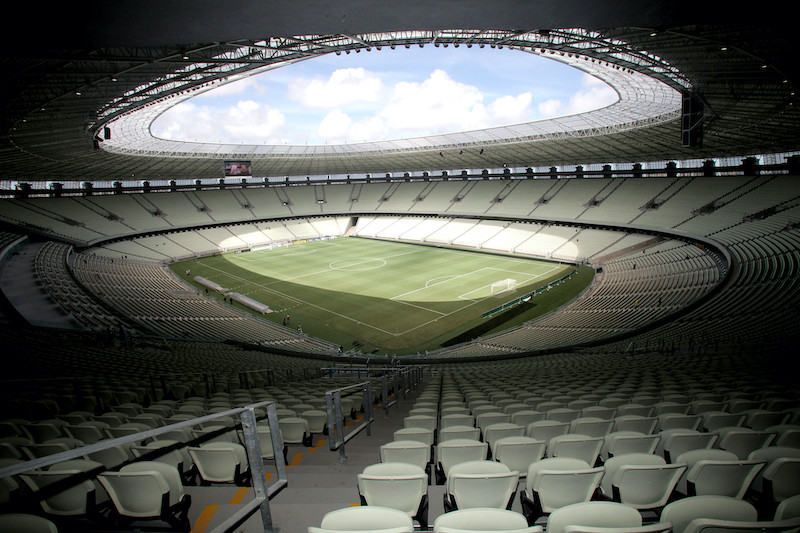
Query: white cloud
{"type": "Point", "coordinates": [550, 108]}
{"type": "Point", "coordinates": [246, 122]}
{"type": "Point", "coordinates": [511, 109]}
{"type": "Point", "coordinates": [594, 94]}
{"type": "Point", "coordinates": [252, 122]}
{"type": "Point", "coordinates": [343, 87]}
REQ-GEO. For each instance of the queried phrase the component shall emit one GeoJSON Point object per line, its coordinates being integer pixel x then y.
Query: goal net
{"type": "Point", "coordinates": [502, 286]}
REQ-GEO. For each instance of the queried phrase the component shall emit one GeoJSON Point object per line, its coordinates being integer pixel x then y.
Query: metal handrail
{"type": "Point", "coordinates": [333, 403]}
{"type": "Point", "coordinates": [263, 492]}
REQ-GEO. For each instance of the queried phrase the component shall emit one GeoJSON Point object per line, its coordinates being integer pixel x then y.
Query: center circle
{"type": "Point", "coordinates": [357, 263]}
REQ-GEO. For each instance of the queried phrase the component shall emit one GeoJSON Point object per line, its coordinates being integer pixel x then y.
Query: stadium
{"type": "Point", "coordinates": [166, 299]}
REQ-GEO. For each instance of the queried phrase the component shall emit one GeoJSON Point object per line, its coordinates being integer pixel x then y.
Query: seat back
{"type": "Point", "coordinates": [493, 490]}
{"type": "Point", "coordinates": [402, 487]}
{"type": "Point", "coordinates": [459, 432]}
{"type": "Point", "coordinates": [74, 500]}
{"type": "Point", "coordinates": [782, 478]}
{"type": "Point", "coordinates": [26, 523]}
{"type": "Point", "coordinates": [457, 451]}
{"type": "Point", "coordinates": [578, 446]}
{"type": "Point", "coordinates": [219, 462]}
{"type": "Point", "coordinates": [646, 486]}
{"type": "Point", "coordinates": [681, 512]}
{"type": "Point", "coordinates": [722, 478]}
{"type": "Point", "coordinates": [423, 435]}
{"type": "Point", "coordinates": [493, 432]}
{"type": "Point", "coordinates": [405, 451]}
{"type": "Point", "coordinates": [596, 514]}
{"type": "Point", "coordinates": [558, 488]}
{"type": "Point", "coordinates": [518, 452]}
{"type": "Point", "coordinates": [293, 429]}
{"type": "Point", "coordinates": [366, 518]}
{"type": "Point", "coordinates": [136, 494]}
{"type": "Point", "coordinates": [483, 519]}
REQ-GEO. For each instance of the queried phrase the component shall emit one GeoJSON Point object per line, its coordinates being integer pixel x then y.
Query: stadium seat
{"type": "Point", "coordinates": [483, 520]}
{"type": "Point", "coordinates": [594, 514]}
{"type": "Point", "coordinates": [480, 484]}
{"type": "Point", "coordinates": [365, 518]}
{"type": "Point", "coordinates": [716, 473]}
{"type": "Point", "coordinates": [555, 482]}
{"type": "Point", "coordinates": [221, 462]}
{"type": "Point", "coordinates": [26, 523]}
{"type": "Point", "coordinates": [518, 452]}
{"type": "Point", "coordinates": [400, 486]}
{"type": "Point", "coordinates": [581, 447]}
{"type": "Point", "coordinates": [454, 451]}
{"type": "Point", "coordinates": [406, 451]}
{"type": "Point", "coordinates": [681, 512]}
{"type": "Point", "coordinates": [148, 491]}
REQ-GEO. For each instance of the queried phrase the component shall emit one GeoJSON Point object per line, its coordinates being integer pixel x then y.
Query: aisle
{"type": "Point", "coordinates": [318, 482]}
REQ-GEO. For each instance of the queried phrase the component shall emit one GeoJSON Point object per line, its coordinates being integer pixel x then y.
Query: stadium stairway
{"type": "Point", "coordinates": [317, 482]}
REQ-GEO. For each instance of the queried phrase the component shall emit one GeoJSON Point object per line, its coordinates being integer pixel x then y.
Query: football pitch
{"type": "Point", "coordinates": [377, 296]}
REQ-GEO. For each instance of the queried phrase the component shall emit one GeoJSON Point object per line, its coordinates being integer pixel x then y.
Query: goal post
{"type": "Point", "coordinates": [506, 285]}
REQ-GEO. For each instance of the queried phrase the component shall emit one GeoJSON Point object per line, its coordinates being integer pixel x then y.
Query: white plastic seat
{"type": "Point", "coordinates": [770, 454]}
{"type": "Point", "coordinates": [454, 451]}
{"type": "Point", "coordinates": [641, 424]}
{"type": "Point", "coordinates": [423, 435]}
{"type": "Point", "coordinates": [678, 421]}
{"type": "Point", "coordinates": [220, 462]}
{"type": "Point", "coordinates": [646, 487]}
{"type": "Point", "coordinates": [679, 440]}
{"type": "Point", "coordinates": [483, 420]}
{"type": "Point", "coordinates": [716, 476]}
{"type": "Point", "coordinates": [148, 490]}
{"type": "Point", "coordinates": [555, 482]}
{"type": "Point", "coordinates": [458, 432]}
{"type": "Point", "coordinates": [713, 420]}
{"type": "Point", "coordinates": [518, 452]}
{"type": "Point", "coordinates": [420, 421]}
{"type": "Point", "coordinates": [613, 464]}
{"type": "Point", "coordinates": [26, 523]}
{"type": "Point", "coordinates": [456, 419]}
{"type": "Point", "coordinates": [742, 440]}
{"type": "Point", "coordinates": [494, 432]}
{"type": "Point", "coordinates": [546, 429]}
{"type": "Point", "coordinates": [294, 430]}
{"type": "Point", "coordinates": [563, 414]}
{"type": "Point", "coordinates": [681, 512]}
{"type": "Point", "coordinates": [526, 416]}
{"type": "Point", "coordinates": [406, 451]}
{"type": "Point", "coordinates": [480, 484]}
{"type": "Point", "coordinates": [622, 442]}
{"type": "Point", "coordinates": [714, 525]}
{"type": "Point", "coordinates": [591, 426]}
{"type": "Point", "coordinates": [483, 520]}
{"type": "Point", "coordinates": [595, 514]}
{"type": "Point", "coordinates": [77, 499]}
{"type": "Point", "coordinates": [316, 419]}
{"type": "Point", "coordinates": [575, 445]}
{"type": "Point", "coordinates": [400, 486]}
{"type": "Point", "coordinates": [658, 527]}
{"type": "Point", "coordinates": [365, 518]}
{"type": "Point", "coordinates": [635, 409]}
{"type": "Point", "coordinates": [781, 479]}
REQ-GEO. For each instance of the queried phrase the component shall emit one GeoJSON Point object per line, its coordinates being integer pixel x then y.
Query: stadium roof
{"type": "Point", "coordinates": [70, 70]}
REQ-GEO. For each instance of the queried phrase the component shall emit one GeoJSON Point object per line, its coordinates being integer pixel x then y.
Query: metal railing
{"type": "Point", "coordinates": [336, 432]}
{"type": "Point", "coordinates": [263, 492]}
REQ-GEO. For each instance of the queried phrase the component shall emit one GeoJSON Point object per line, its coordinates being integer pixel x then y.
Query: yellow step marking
{"type": "Point", "coordinates": [239, 496]}
{"type": "Point", "coordinates": [204, 519]}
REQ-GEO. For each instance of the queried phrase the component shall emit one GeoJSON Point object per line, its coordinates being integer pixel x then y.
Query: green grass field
{"type": "Point", "coordinates": [379, 296]}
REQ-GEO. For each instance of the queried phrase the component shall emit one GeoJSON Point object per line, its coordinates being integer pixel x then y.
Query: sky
{"type": "Point", "coordinates": [385, 94]}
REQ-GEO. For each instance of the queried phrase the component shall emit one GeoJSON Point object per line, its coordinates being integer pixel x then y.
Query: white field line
{"type": "Point", "coordinates": [394, 334]}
